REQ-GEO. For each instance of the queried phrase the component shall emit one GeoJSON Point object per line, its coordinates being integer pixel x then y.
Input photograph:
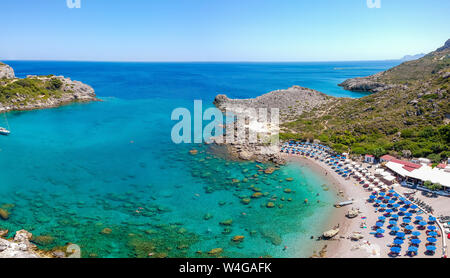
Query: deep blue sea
{"type": "Point", "coordinates": [106, 175]}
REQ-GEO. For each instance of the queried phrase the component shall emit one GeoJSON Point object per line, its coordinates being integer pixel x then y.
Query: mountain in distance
{"type": "Point", "coordinates": [412, 57]}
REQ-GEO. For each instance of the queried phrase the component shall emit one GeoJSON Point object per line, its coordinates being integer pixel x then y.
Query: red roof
{"type": "Point", "coordinates": [442, 166]}
{"type": "Point", "coordinates": [387, 157]}
{"type": "Point", "coordinates": [408, 166]}
{"type": "Point", "coordinates": [369, 155]}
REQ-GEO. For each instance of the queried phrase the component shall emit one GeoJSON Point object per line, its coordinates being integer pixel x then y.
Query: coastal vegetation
{"type": "Point", "coordinates": [29, 90]}
{"type": "Point", "coordinates": [37, 92]}
{"type": "Point", "coordinates": [408, 117]}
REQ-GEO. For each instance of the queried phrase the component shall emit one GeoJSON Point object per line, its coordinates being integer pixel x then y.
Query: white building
{"type": "Point", "coordinates": [369, 158]}
{"type": "Point", "coordinates": [414, 175]}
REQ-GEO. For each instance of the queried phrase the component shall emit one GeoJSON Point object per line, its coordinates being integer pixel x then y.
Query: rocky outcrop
{"type": "Point", "coordinates": [6, 72]}
{"type": "Point", "coordinates": [291, 102]}
{"type": "Point", "coordinates": [365, 84]}
{"type": "Point", "coordinates": [19, 247]}
{"type": "Point", "coordinates": [70, 91]}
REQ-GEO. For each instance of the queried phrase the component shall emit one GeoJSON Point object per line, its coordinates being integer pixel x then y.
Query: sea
{"type": "Point", "coordinates": [107, 177]}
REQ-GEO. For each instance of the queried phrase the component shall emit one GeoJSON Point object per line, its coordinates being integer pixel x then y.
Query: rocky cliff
{"type": "Point", "coordinates": [6, 72]}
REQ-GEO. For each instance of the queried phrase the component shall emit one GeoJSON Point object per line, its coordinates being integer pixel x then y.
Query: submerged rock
{"type": "Point", "coordinates": [4, 214]}
{"type": "Point", "coordinates": [106, 231]}
{"type": "Point", "coordinates": [43, 240]}
{"type": "Point", "coordinates": [227, 222]}
{"type": "Point", "coordinates": [238, 238]}
{"type": "Point", "coordinates": [257, 195]}
{"type": "Point", "coordinates": [207, 216]}
{"type": "Point", "coordinates": [215, 251]}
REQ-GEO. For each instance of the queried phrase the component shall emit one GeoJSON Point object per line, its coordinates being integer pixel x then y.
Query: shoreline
{"type": "Point", "coordinates": [342, 246]}
{"type": "Point", "coordinates": [334, 248]}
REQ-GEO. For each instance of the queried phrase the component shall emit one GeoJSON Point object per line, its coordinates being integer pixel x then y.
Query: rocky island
{"type": "Point", "coordinates": [39, 92]}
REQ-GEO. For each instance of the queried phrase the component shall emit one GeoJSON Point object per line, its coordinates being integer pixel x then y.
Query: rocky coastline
{"type": "Point", "coordinates": [19, 246]}
{"type": "Point", "coordinates": [68, 91]}
{"type": "Point", "coordinates": [291, 103]}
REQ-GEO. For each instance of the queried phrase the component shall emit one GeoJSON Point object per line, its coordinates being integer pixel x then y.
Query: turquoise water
{"type": "Point", "coordinates": [106, 176]}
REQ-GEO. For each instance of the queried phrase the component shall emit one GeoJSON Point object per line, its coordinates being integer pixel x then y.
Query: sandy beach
{"type": "Point", "coordinates": [342, 246]}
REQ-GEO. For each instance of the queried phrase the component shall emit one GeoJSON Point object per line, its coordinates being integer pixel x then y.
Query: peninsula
{"type": "Point", "coordinates": [39, 92]}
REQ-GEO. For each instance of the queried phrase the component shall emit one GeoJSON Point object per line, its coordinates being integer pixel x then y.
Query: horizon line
{"type": "Point", "coordinates": [193, 61]}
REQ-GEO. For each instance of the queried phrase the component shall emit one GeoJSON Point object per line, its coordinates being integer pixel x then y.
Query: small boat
{"type": "Point", "coordinates": [342, 204]}
{"type": "Point", "coordinates": [331, 233]}
{"type": "Point", "coordinates": [352, 213]}
{"type": "Point", "coordinates": [4, 131]}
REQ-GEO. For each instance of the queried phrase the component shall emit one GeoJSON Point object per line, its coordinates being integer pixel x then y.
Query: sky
{"type": "Point", "coordinates": [221, 30]}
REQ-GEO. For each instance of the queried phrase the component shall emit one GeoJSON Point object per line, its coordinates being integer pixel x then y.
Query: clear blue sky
{"type": "Point", "coordinates": [221, 30]}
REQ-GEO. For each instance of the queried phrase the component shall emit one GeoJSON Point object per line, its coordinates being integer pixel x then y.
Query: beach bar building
{"type": "Point", "coordinates": [368, 158]}
{"type": "Point", "coordinates": [414, 175]}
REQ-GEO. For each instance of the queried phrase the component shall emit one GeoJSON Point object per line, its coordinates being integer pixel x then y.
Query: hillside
{"type": "Point", "coordinates": [407, 114]}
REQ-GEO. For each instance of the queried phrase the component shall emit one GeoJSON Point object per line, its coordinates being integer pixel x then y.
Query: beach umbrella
{"type": "Point", "coordinates": [414, 207]}
{"type": "Point", "coordinates": [395, 249]}
{"type": "Point", "coordinates": [403, 209]}
{"type": "Point", "coordinates": [418, 217]}
{"type": "Point", "coordinates": [431, 247]}
{"type": "Point", "coordinates": [389, 210]}
{"type": "Point", "coordinates": [409, 227]}
{"type": "Point", "coordinates": [379, 224]}
{"type": "Point", "coordinates": [393, 222]}
{"type": "Point", "coordinates": [432, 234]}
{"type": "Point", "coordinates": [431, 218]}
{"type": "Point", "coordinates": [422, 223]}
{"type": "Point", "coordinates": [377, 201]}
{"type": "Point", "coordinates": [394, 216]}
{"type": "Point", "coordinates": [382, 218]}
{"type": "Point", "coordinates": [372, 197]}
{"type": "Point", "coordinates": [431, 239]}
{"type": "Point", "coordinates": [396, 205]}
{"type": "Point", "coordinates": [391, 201]}
{"type": "Point", "coordinates": [382, 194]}
{"type": "Point", "coordinates": [412, 249]}
{"type": "Point", "coordinates": [416, 233]}
{"type": "Point", "coordinates": [416, 241]}
{"type": "Point", "coordinates": [398, 241]}
{"type": "Point", "coordinates": [400, 234]}
{"type": "Point", "coordinates": [387, 197]}
{"type": "Point", "coordinates": [406, 220]}
{"type": "Point", "coordinates": [395, 229]}
{"type": "Point", "coordinates": [409, 214]}
{"type": "Point", "coordinates": [380, 231]}
{"type": "Point", "coordinates": [391, 191]}
{"type": "Point", "coordinates": [431, 228]}
{"type": "Point", "coordinates": [383, 205]}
